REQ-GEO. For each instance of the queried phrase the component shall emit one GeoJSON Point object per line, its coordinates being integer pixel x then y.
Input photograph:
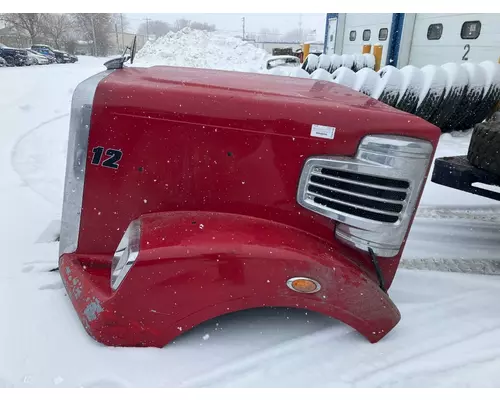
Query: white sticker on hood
{"type": "Point", "coordinates": [321, 131]}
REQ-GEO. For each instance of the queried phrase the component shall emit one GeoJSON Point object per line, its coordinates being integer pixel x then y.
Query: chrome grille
{"type": "Point", "coordinates": [366, 196]}
{"type": "Point", "coordinates": [372, 195]}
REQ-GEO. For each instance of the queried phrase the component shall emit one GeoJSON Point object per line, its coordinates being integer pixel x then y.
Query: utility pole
{"type": "Point", "coordinates": [243, 20]}
{"type": "Point", "coordinates": [93, 35]}
{"type": "Point", "coordinates": [121, 23]}
{"type": "Point", "coordinates": [147, 28]}
{"type": "Point", "coordinates": [300, 27]}
{"type": "Point", "coordinates": [117, 40]}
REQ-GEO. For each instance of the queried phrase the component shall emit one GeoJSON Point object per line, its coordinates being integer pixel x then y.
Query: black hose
{"type": "Point", "coordinates": [377, 269]}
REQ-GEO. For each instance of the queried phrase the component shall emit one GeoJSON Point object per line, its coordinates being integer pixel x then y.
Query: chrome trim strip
{"type": "Point", "coordinates": [79, 130]}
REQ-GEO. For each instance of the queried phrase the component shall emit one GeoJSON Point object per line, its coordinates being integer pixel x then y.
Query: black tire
{"type": "Point", "coordinates": [484, 147]}
{"type": "Point", "coordinates": [10, 61]}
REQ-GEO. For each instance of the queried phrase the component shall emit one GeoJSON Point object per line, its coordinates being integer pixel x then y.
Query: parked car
{"type": "Point", "coordinates": [283, 61]}
{"type": "Point", "coordinates": [37, 58]}
{"type": "Point", "coordinates": [73, 58]}
{"type": "Point", "coordinates": [45, 51]}
{"type": "Point", "coordinates": [3, 63]}
{"type": "Point", "coordinates": [62, 57]}
{"type": "Point", "coordinates": [12, 56]}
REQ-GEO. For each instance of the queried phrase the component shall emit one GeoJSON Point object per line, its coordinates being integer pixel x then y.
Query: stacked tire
{"type": "Point", "coordinates": [484, 147]}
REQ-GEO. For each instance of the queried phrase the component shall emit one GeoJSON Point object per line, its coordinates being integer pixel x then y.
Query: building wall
{"type": "Point", "coordinates": [366, 22]}
{"type": "Point", "coordinates": [451, 47]}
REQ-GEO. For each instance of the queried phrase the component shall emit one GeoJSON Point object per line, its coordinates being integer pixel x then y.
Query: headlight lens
{"type": "Point", "coordinates": [126, 253]}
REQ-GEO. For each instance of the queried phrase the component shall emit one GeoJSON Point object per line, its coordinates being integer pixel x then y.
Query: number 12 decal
{"type": "Point", "coordinates": [113, 157]}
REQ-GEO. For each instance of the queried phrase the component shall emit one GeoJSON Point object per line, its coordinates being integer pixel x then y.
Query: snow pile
{"type": "Point", "coordinates": [201, 49]}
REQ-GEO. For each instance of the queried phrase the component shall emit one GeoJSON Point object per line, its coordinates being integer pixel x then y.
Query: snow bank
{"type": "Point", "coordinates": [201, 49]}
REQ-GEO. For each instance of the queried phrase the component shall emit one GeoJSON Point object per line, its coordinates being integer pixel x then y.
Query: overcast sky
{"type": "Point", "coordinates": [253, 22]}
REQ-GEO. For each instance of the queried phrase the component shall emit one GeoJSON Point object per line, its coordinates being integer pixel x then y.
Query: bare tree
{"type": "Point", "coordinates": [294, 35]}
{"type": "Point", "coordinates": [202, 26]}
{"type": "Point", "coordinates": [156, 28]}
{"type": "Point", "coordinates": [57, 27]}
{"type": "Point", "coordinates": [97, 25]}
{"type": "Point", "coordinates": [181, 24]}
{"type": "Point", "coordinates": [121, 21]}
{"type": "Point", "coordinates": [30, 23]}
{"type": "Point", "coordinates": [268, 35]}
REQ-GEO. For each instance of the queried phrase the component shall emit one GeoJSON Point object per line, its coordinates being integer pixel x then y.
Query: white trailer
{"type": "Point", "coordinates": [416, 39]}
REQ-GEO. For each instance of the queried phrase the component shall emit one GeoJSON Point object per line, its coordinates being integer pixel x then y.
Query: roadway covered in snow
{"type": "Point", "coordinates": [448, 335]}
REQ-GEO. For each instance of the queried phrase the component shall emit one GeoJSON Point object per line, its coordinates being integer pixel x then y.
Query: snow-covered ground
{"type": "Point", "coordinates": [448, 335]}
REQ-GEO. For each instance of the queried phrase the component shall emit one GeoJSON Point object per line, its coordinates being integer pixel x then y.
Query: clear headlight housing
{"type": "Point", "coordinates": [126, 253]}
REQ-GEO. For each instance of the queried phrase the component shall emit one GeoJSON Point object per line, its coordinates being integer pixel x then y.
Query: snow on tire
{"type": "Point", "coordinates": [464, 116]}
{"type": "Point", "coordinates": [324, 62]}
{"type": "Point", "coordinates": [299, 73]}
{"type": "Point", "coordinates": [411, 86]}
{"type": "Point", "coordinates": [474, 96]}
{"type": "Point", "coordinates": [491, 94]}
{"type": "Point", "coordinates": [359, 62]}
{"type": "Point", "coordinates": [311, 63]}
{"type": "Point", "coordinates": [387, 89]}
{"type": "Point", "coordinates": [348, 61]}
{"type": "Point", "coordinates": [369, 61]}
{"type": "Point", "coordinates": [344, 76]}
{"type": "Point", "coordinates": [366, 81]}
{"type": "Point", "coordinates": [280, 71]}
{"type": "Point", "coordinates": [321, 75]}
{"type": "Point", "coordinates": [484, 147]}
{"type": "Point", "coordinates": [457, 81]}
{"type": "Point", "coordinates": [432, 92]}
{"type": "Point", "coordinates": [335, 62]}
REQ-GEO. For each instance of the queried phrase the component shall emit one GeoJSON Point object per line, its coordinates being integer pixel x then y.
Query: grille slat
{"type": "Point", "coordinates": [365, 196]}
{"type": "Point", "coordinates": [356, 211]}
{"type": "Point", "coordinates": [352, 186]}
{"type": "Point", "coordinates": [369, 179]}
{"type": "Point", "coordinates": [355, 206]}
{"type": "Point", "coordinates": [376, 198]}
{"type": "Point", "coordinates": [354, 200]}
{"type": "Point", "coordinates": [354, 181]}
